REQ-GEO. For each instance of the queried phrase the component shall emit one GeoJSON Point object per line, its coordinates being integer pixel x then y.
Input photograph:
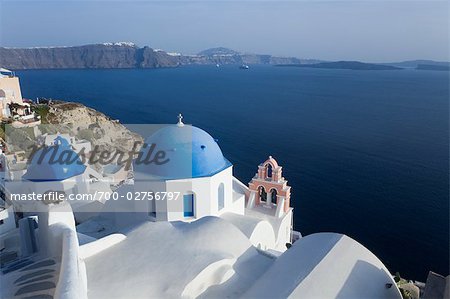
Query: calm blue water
{"type": "Point", "coordinates": [366, 152]}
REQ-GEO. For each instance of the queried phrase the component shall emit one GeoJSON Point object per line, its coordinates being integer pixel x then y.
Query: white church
{"type": "Point", "coordinates": [212, 236]}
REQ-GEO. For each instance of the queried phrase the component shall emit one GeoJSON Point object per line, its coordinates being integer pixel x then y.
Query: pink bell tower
{"type": "Point", "coordinates": [269, 189]}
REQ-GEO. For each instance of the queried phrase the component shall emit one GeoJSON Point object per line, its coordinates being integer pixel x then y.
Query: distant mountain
{"type": "Point", "coordinates": [433, 67]}
{"type": "Point", "coordinates": [221, 55]}
{"type": "Point", "coordinates": [348, 65]}
{"type": "Point", "coordinates": [217, 51]}
{"type": "Point", "coordinates": [416, 63]}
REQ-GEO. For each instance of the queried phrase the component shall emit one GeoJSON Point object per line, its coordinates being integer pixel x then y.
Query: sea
{"type": "Point", "coordinates": [366, 152]}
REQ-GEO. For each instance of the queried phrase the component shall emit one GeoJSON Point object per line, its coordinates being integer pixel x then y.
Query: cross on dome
{"type": "Point", "coordinates": [180, 120]}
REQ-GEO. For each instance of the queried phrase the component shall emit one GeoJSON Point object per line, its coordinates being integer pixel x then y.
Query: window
{"type": "Point", "coordinates": [262, 193]}
{"type": "Point", "coordinates": [188, 205]}
{"type": "Point", "coordinates": [269, 171]}
{"type": "Point", "coordinates": [221, 197]}
{"type": "Point", "coordinates": [274, 196]}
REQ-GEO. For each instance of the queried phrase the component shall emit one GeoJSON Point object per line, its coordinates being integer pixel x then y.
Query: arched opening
{"type": "Point", "coordinates": [221, 196]}
{"type": "Point", "coordinates": [2, 93]}
{"type": "Point", "coordinates": [274, 196]}
{"type": "Point", "coordinates": [269, 171]}
{"type": "Point", "coordinates": [188, 205]}
{"type": "Point", "coordinates": [262, 193]}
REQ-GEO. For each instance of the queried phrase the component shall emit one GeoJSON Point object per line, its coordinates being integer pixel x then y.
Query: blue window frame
{"type": "Point", "coordinates": [188, 205]}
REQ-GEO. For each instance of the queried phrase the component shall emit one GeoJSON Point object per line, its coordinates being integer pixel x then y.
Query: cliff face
{"type": "Point", "coordinates": [87, 123]}
{"type": "Point", "coordinates": [90, 56]}
{"type": "Point", "coordinates": [76, 120]}
{"type": "Point", "coordinates": [237, 59]}
{"type": "Point", "coordinates": [124, 55]}
{"type": "Point", "coordinates": [148, 58]}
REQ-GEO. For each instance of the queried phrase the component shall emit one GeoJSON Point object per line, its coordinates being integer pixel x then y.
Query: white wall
{"type": "Point", "coordinates": [9, 222]}
{"type": "Point", "coordinates": [206, 195]}
{"type": "Point", "coordinates": [283, 235]}
{"type": "Point", "coordinates": [72, 281]}
{"type": "Point", "coordinates": [205, 192]}
{"type": "Point", "coordinates": [50, 243]}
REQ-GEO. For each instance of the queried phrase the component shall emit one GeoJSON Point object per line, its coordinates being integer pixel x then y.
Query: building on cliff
{"type": "Point", "coordinates": [186, 228]}
{"type": "Point", "coordinates": [9, 92]}
{"type": "Point", "coordinates": [12, 106]}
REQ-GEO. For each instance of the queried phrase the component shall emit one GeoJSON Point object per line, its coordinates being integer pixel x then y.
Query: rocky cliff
{"type": "Point", "coordinates": [222, 55]}
{"type": "Point", "coordinates": [124, 55]}
{"type": "Point", "coordinates": [104, 133]}
{"type": "Point", "coordinates": [87, 123]}
{"type": "Point", "coordinates": [119, 55]}
{"type": "Point", "coordinates": [237, 59]}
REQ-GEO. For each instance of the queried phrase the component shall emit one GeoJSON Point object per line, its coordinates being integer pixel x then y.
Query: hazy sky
{"type": "Point", "coordinates": [333, 30]}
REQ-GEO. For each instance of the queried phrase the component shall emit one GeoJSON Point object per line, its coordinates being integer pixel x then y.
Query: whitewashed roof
{"type": "Point", "coordinates": [325, 265]}
{"type": "Point", "coordinates": [209, 257]}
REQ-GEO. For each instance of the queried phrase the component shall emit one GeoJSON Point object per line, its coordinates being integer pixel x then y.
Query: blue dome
{"type": "Point", "coordinates": [191, 153]}
{"type": "Point", "coordinates": [54, 163]}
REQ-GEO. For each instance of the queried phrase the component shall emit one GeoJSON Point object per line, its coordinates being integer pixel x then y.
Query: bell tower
{"type": "Point", "coordinates": [269, 189]}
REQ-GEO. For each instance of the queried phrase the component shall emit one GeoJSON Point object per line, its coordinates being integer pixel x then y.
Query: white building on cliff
{"type": "Point", "coordinates": [11, 103]}
{"type": "Point", "coordinates": [218, 238]}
